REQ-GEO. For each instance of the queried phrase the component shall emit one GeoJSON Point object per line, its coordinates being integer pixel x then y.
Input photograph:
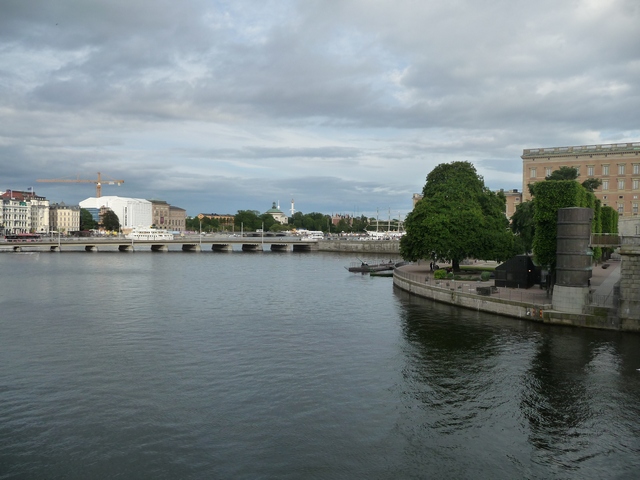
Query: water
{"type": "Point", "coordinates": [266, 365]}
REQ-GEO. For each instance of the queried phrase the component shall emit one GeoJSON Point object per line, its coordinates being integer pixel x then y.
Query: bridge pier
{"type": "Point", "coordinates": [217, 247]}
{"type": "Point", "coordinates": [191, 247]}
{"type": "Point", "coordinates": [125, 248]}
{"type": "Point", "coordinates": [159, 248]}
{"type": "Point", "coordinates": [90, 248]}
{"type": "Point", "coordinates": [54, 248]}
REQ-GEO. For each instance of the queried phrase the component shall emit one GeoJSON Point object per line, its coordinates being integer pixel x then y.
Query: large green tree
{"type": "Point", "coordinates": [110, 221]}
{"type": "Point", "coordinates": [86, 220]}
{"type": "Point", "coordinates": [523, 226]}
{"type": "Point", "coordinates": [457, 218]}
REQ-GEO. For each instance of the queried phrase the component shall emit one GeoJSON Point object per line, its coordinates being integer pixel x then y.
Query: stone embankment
{"type": "Point", "coordinates": [530, 304]}
{"type": "Point", "coordinates": [360, 246]}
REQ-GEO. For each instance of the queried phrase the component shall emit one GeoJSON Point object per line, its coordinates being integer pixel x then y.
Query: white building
{"type": "Point", "coordinates": [23, 212]}
{"type": "Point", "coordinates": [131, 212]}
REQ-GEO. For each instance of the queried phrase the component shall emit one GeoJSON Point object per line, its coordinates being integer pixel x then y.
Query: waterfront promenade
{"type": "Point", "coordinates": [532, 303]}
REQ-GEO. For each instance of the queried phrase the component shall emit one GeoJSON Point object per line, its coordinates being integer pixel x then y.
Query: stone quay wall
{"type": "Point", "coordinates": [629, 306]}
{"type": "Point", "coordinates": [444, 293]}
{"type": "Point", "coordinates": [360, 246]}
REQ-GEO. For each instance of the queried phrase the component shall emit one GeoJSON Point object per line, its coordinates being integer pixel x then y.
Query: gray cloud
{"type": "Point", "coordinates": [220, 106]}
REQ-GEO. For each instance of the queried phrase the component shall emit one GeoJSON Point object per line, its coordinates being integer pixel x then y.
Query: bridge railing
{"type": "Point", "coordinates": [605, 240]}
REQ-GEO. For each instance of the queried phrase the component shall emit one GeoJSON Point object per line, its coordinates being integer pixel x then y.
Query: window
{"type": "Point", "coordinates": [635, 209]}
{"type": "Point", "coordinates": [636, 184]}
{"type": "Point", "coordinates": [605, 169]}
{"type": "Point", "coordinates": [605, 184]}
{"type": "Point", "coordinates": [636, 168]}
{"type": "Point", "coordinates": [621, 169]}
{"type": "Point", "coordinates": [532, 172]}
{"type": "Point", "coordinates": [547, 171]}
{"type": "Point", "coordinates": [590, 170]}
{"type": "Point", "coordinates": [621, 184]}
{"type": "Point", "coordinates": [620, 208]}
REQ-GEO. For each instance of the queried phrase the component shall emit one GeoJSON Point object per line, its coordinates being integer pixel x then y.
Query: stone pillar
{"type": "Point", "coordinates": [629, 305]}
{"type": "Point", "coordinates": [573, 260]}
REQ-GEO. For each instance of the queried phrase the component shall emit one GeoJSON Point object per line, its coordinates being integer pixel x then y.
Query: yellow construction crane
{"type": "Point", "coordinates": [99, 182]}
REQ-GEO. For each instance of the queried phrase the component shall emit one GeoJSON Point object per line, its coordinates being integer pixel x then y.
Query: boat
{"type": "Point", "coordinates": [149, 234]}
{"type": "Point", "coordinates": [366, 267]}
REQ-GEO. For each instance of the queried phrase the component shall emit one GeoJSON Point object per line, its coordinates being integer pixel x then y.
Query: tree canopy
{"type": "Point", "coordinates": [86, 220]}
{"type": "Point", "coordinates": [457, 218]}
{"type": "Point", "coordinates": [110, 221]}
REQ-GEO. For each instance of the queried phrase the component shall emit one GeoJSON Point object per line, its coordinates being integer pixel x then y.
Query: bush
{"type": "Point", "coordinates": [451, 275]}
{"type": "Point", "coordinates": [484, 276]}
{"type": "Point", "coordinates": [440, 274]}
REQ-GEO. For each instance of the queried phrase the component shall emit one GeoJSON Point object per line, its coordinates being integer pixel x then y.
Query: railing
{"type": "Point", "coordinates": [604, 148]}
{"type": "Point", "coordinates": [605, 240]}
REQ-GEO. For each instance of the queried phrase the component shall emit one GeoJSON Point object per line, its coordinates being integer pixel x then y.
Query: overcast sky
{"type": "Point", "coordinates": [343, 105]}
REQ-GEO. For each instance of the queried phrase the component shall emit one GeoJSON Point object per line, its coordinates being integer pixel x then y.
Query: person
{"type": "Point", "coordinates": [431, 266]}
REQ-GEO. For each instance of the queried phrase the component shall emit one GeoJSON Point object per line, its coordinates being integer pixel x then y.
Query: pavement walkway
{"type": "Point", "coordinates": [602, 282]}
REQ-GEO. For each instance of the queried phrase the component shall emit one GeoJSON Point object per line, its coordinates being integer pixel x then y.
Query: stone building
{"type": "Point", "coordinates": [64, 218]}
{"type": "Point", "coordinates": [23, 212]}
{"type": "Point", "coordinates": [160, 213]}
{"type": "Point", "coordinates": [177, 219]}
{"type": "Point", "coordinates": [278, 215]}
{"type": "Point", "coordinates": [617, 165]}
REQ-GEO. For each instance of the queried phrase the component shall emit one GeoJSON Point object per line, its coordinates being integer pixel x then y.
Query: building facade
{"type": "Point", "coordinates": [277, 214]}
{"type": "Point", "coordinates": [131, 212]}
{"type": "Point", "coordinates": [225, 221]}
{"type": "Point", "coordinates": [160, 213]}
{"type": "Point", "coordinates": [64, 218]}
{"type": "Point", "coordinates": [513, 198]}
{"type": "Point", "coordinates": [23, 212]}
{"type": "Point", "coordinates": [177, 219]}
{"type": "Point", "coordinates": [617, 165]}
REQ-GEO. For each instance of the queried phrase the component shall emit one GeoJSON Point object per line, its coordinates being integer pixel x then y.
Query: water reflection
{"type": "Point", "coordinates": [517, 396]}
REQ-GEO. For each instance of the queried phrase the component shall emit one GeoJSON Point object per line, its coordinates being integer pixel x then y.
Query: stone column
{"type": "Point", "coordinates": [629, 305]}
{"type": "Point", "coordinates": [573, 260]}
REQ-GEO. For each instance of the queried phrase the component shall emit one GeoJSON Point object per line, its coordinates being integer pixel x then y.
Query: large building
{"type": "Point", "coordinates": [177, 219]}
{"type": "Point", "coordinates": [64, 218]}
{"type": "Point", "coordinates": [23, 212]}
{"type": "Point", "coordinates": [617, 165]}
{"type": "Point", "coordinates": [277, 214]}
{"type": "Point", "coordinates": [131, 212]}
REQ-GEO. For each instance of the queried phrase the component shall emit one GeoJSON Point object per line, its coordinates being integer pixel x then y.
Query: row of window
{"type": "Point", "coordinates": [622, 170]}
{"type": "Point", "coordinates": [634, 208]}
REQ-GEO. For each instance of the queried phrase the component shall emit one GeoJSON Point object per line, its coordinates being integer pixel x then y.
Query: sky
{"type": "Point", "coordinates": [344, 106]}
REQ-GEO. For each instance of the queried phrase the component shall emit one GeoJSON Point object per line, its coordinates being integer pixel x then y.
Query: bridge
{"type": "Point", "coordinates": [189, 243]}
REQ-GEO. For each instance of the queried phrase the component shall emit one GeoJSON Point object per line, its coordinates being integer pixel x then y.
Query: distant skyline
{"type": "Point", "coordinates": [343, 105]}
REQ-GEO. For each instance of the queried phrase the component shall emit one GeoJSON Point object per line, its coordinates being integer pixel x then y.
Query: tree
{"type": "Point", "coordinates": [457, 218]}
{"type": "Point", "coordinates": [110, 221]}
{"type": "Point", "coordinates": [523, 226]}
{"type": "Point", "coordinates": [86, 220]}
{"type": "Point", "coordinates": [249, 220]}
{"type": "Point", "coordinates": [571, 173]}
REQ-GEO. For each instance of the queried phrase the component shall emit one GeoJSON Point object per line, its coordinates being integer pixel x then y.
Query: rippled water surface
{"type": "Point", "coordinates": [283, 365]}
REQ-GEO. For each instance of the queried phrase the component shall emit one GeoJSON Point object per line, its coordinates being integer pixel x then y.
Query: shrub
{"type": "Point", "coordinates": [440, 274]}
{"type": "Point", "coordinates": [484, 276]}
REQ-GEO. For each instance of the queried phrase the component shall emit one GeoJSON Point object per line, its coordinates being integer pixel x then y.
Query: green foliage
{"type": "Point", "coordinates": [563, 173]}
{"type": "Point", "coordinates": [440, 274]}
{"type": "Point", "coordinates": [609, 220]}
{"type": "Point", "coordinates": [523, 226]}
{"type": "Point", "coordinates": [110, 221]}
{"type": "Point", "coordinates": [591, 184]}
{"type": "Point", "coordinates": [247, 220]}
{"type": "Point", "coordinates": [86, 220]}
{"type": "Point", "coordinates": [457, 218]}
{"type": "Point", "coordinates": [549, 197]}
{"type": "Point", "coordinates": [484, 276]}
{"type": "Point", "coordinates": [207, 224]}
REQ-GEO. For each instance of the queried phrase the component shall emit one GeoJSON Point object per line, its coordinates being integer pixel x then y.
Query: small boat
{"type": "Point", "coordinates": [365, 267]}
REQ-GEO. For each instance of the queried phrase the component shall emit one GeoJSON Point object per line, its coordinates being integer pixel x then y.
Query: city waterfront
{"type": "Point", "coordinates": [284, 365]}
